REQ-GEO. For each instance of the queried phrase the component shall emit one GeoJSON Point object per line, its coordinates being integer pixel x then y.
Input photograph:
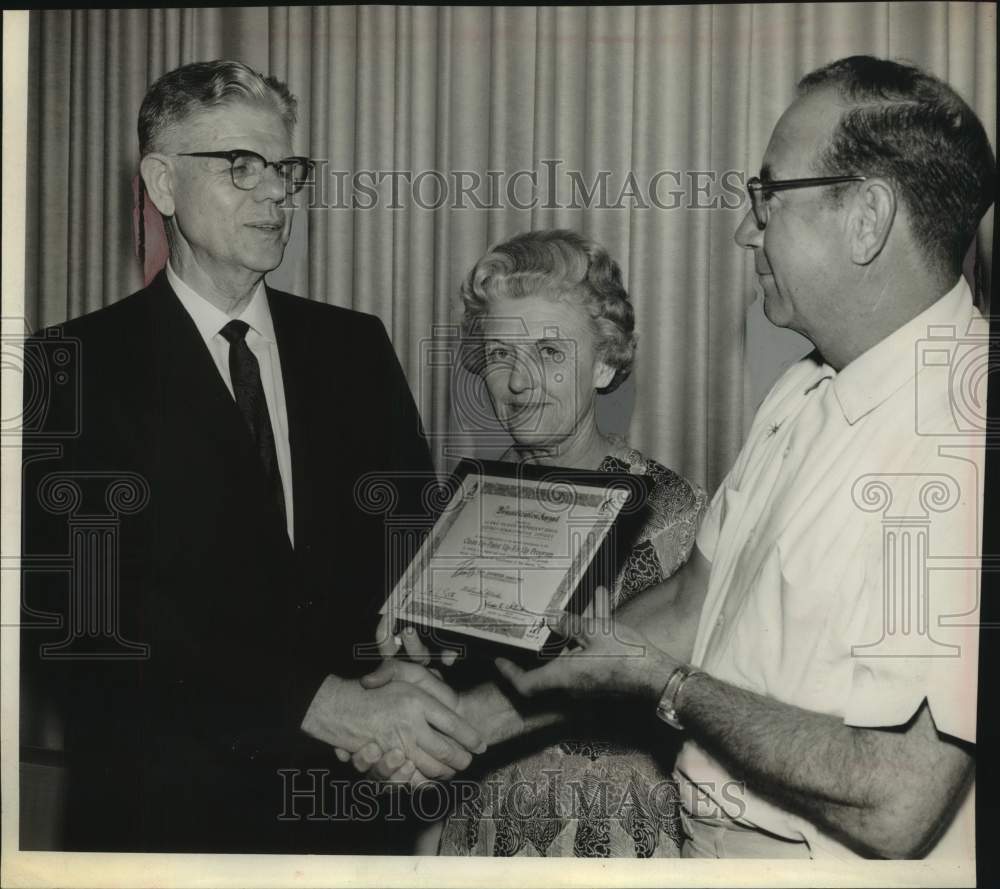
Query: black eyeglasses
{"type": "Point", "coordinates": [759, 190]}
{"type": "Point", "coordinates": [247, 168]}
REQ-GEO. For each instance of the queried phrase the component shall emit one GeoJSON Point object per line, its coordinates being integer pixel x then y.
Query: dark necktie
{"type": "Point", "coordinates": [249, 392]}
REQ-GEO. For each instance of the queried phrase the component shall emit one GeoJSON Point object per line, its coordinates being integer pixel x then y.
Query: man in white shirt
{"type": "Point", "coordinates": [820, 647]}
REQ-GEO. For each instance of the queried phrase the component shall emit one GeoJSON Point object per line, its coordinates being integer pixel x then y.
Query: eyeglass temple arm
{"type": "Point", "coordinates": [784, 184]}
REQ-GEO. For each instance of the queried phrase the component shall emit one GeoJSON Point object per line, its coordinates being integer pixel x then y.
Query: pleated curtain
{"type": "Point", "coordinates": [687, 94]}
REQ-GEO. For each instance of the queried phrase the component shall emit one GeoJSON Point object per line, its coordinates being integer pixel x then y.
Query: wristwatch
{"type": "Point", "coordinates": [666, 709]}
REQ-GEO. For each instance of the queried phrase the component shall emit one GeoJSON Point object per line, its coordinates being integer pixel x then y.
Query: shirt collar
{"type": "Point", "coordinates": [888, 365]}
{"type": "Point", "coordinates": [210, 320]}
{"type": "Point", "coordinates": [258, 314]}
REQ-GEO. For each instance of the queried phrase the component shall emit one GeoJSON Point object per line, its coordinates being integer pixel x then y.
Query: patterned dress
{"type": "Point", "coordinates": [611, 794]}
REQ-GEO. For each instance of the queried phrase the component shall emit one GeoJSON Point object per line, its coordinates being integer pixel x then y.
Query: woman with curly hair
{"type": "Point", "coordinates": [548, 325]}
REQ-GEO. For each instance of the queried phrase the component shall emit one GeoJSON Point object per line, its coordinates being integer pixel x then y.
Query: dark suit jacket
{"type": "Point", "coordinates": [180, 750]}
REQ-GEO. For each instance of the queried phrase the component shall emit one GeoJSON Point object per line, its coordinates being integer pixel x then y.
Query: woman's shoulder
{"type": "Point", "coordinates": [673, 513]}
{"type": "Point", "coordinates": [672, 497]}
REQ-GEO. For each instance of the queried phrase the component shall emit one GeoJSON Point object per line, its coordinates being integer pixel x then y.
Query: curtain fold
{"type": "Point", "coordinates": [601, 108]}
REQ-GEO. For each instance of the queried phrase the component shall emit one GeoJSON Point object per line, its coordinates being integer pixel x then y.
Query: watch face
{"type": "Point", "coordinates": [669, 717]}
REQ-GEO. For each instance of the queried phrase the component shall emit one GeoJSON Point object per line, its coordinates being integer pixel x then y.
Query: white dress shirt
{"type": "Point", "coordinates": [845, 548]}
{"type": "Point", "coordinates": [262, 343]}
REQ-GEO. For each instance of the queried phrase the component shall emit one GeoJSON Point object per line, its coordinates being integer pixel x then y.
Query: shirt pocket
{"type": "Point", "coordinates": [734, 508]}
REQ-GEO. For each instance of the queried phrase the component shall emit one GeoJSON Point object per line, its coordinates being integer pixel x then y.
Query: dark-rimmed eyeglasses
{"type": "Point", "coordinates": [760, 190]}
{"type": "Point", "coordinates": [247, 168]}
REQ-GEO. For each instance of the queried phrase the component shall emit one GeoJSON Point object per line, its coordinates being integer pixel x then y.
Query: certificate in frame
{"type": "Point", "coordinates": [516, 547]}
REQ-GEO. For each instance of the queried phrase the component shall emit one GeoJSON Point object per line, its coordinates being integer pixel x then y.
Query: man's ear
{"type": "Point", "coordinates": [159, 179]}
{"type": "Point", "coordinates": [603, 374]}
{"type": "Point", "coordinates": [871, 220]}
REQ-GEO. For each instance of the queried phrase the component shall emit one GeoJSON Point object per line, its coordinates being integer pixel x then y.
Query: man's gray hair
{"type": "Point", "coordinates": [201, 85]}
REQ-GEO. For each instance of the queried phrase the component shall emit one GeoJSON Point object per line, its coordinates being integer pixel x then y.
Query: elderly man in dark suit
{"type": "Point", "coordinates": [238, 421]}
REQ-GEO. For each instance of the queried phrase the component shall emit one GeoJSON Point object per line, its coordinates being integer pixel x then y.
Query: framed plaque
{"type": "Point", "coordinates": [516, 547]}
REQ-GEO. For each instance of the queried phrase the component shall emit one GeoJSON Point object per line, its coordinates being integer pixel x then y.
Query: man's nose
{"type": "Point", "coordinates": [272, 185]}
{"type": "Point", "coordinates": [747, 234]}
{"type": "Point", "coordinates": [521, 377]}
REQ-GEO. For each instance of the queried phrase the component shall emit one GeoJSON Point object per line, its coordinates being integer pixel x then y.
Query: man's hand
{"type": "Point", "coordinates": [605, 657]}
{"type": "Point", "coordinates": [393, 765]}
{"type": "Point", "coordinates": [397, 716]}
{"type": "Point", "coordinates": [427, 679]}
{"type": "Point", "coordinates": [609, 658]}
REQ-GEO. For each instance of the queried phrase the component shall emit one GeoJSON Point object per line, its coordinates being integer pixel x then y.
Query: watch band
{"type": "Point", "coordinates": [666, 709]}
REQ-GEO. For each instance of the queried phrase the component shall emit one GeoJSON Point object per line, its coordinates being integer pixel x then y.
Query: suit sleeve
{"type": "Point", "coordinates": [408, 448]}
{"type": "Point", "coordinates": [379, 513]}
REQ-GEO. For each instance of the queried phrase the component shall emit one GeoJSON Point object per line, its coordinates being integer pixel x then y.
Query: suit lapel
{"type": "Point", "coordinates": [191, 382]}
{"type": "Point", "coordinates": [198, 414]}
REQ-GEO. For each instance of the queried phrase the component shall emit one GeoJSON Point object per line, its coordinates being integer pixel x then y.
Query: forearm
{"type": "Point", "coordinates": [887, 792]}
{"type": "Point", "coordinates": [884, 790]}
{"type": "Point", "coordinates": [493, 712]}
{"type": "Point", "coordinates": [668, 613]}
{"type": "Point", "coordinates": [810, 759]}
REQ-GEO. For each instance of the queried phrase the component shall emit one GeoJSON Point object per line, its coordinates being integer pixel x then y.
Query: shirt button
{"type": "Point", "coordinates": [721, 620]}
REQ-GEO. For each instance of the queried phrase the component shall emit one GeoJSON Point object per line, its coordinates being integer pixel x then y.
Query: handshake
{"type": "Point", "coordinates": [402, 723]}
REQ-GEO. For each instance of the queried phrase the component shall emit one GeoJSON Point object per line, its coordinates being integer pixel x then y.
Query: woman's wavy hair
{"type": "Point", "coordinates": [560, 264]}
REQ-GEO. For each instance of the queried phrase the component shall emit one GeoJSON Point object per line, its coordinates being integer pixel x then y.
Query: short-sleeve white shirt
{"type": "Point", "coordinates": [845, 547]}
